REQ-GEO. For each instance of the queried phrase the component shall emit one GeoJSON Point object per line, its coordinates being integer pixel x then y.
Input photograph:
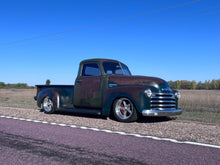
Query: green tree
{"type": "Point", "coordinates": [193, 84]}
{"type": "Point", "coordinates": [209, 84]}
{"type": "Point", "coordinates": [218, 84]}
{"type": "Point", "coordinates": [2, 85]}
{"type": "Point", "coordinates": [48, 82]}
{"type": "Point", "coordinates": [186, 84]}
{"type": "Point", "coordinates": [213, 84]}
{"type": "Point", "coordinates": [206, 84]}
{"type": "Point", "coordinates": [199, 85]}
{"type": "Point", "coordinates": [177, 84]}
{"type": "Point", "coordinates": [172, 84]}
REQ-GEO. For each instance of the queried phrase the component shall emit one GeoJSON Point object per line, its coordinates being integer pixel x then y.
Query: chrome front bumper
{"type": "Point", "coordinates": [162, 112]}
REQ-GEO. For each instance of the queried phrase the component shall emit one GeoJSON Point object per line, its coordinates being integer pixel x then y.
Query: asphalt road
{"type": "Point", "coordinates": [23, 142]}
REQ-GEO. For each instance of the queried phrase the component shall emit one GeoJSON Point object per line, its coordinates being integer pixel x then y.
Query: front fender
{"type": "Point", "coordinates": [134, 93]}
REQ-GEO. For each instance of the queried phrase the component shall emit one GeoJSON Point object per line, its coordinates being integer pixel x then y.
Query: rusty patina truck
{"type": "Point", "coordinates": [106, 87]}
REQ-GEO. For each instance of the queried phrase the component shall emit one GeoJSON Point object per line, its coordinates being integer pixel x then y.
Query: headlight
{"type": "Point", "coordinates": [177, 94]}
{"type": "Point", "coordinates": [148, 92]}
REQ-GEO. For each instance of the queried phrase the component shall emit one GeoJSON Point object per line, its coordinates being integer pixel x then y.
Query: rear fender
{"type": "Point", "coordinates": [54, 95]}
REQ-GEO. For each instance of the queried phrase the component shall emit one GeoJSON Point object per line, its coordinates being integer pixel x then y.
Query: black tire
{"type": "Point", "coordinates": [48, 105]}
{"type": "Point", "coordinates": [124, 110]}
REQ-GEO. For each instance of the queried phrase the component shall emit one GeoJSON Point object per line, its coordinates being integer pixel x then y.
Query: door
{"type": "Point", "coordinates": [87, 91]}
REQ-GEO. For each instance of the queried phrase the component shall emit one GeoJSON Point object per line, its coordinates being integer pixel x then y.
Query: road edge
{"type": "Point", "coordinates": [114, 132]}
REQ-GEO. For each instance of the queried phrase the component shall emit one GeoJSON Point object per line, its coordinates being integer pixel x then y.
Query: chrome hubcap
{"type": "Point", "coordinates": [124, 108]}
{"type": "Point", "coordinates": [47, 104]}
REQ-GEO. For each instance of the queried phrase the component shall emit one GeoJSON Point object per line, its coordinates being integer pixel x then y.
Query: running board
{"type": "Point", "coordinates": [84, 111]}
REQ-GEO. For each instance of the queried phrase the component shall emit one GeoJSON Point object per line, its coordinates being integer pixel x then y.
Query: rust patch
{"type": "Point", "coordinates": [135, 80]}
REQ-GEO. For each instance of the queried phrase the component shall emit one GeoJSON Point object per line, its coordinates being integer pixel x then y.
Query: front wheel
{"type": "Point", "coordinates": [48, 105]}
{"type": "Point", "coordinates": [124, 110]}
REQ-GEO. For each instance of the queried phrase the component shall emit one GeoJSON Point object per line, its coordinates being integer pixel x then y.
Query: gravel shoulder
{"type": "Point", "coordinates": [160, 127]}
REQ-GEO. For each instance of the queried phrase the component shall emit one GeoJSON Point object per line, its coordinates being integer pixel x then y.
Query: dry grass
{"type": "Point", "coordinates": [200, 100]}
{"type": "Point", "coordinates": [197, 105]}
{"type": "Point", "coordinates": [21, 98]}
{"type": "Point", "coordinates": [200, 105]}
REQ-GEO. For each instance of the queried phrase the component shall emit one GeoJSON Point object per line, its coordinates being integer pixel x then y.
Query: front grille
{"type": "Point", "coordinates": [163, 101]}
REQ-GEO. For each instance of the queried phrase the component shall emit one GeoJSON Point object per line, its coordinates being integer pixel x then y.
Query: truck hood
{"type": "Point", "coordinates": [139, 81]}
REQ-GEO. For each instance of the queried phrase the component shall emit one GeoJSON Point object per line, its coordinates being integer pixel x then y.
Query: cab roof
{"type": "Point", "coordinates": [98, 60]}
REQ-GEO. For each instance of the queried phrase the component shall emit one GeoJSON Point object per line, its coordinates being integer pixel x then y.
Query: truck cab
{"type": "Point", "coordinates": [108, 86]}
{"type": "Point", "coordinates": [92, 81]}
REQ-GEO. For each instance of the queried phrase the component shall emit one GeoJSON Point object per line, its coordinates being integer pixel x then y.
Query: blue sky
{"type": "Point", "coordinates": [179, 43]}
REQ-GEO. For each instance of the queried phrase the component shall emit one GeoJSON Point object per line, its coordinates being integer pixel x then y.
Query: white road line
{"type": "Point", "coordinates": [116, 132]}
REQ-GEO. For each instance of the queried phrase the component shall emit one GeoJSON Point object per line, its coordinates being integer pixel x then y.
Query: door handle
{"type": "Point", "coordinates": [78, 81]}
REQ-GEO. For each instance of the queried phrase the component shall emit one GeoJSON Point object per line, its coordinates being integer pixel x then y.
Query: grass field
{"type": "Point", "coordinates": [200, 105]}
{"type": "Point", "coordinates": [197, 105]}
{"type": "Point", "coordinates": [21, 98]}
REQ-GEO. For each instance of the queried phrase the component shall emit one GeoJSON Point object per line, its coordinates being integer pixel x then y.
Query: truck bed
{"type": "Point", "coordinates": [65, 93]}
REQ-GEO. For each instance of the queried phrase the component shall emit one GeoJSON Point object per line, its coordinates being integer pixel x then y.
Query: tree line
{"type": "Point", "coordinates": [184, 84]}
{"type": "Point", "coordinates": [17, 86]}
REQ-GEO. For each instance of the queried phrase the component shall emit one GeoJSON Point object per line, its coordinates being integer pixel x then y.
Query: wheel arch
{"type": "Point", "coordinates": [52, 94]}
{"type": "Point", "coordinates": [111, 97]}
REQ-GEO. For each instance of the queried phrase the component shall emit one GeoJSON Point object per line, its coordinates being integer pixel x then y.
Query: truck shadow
{"type": "Point", "coordinates": [141, 119]}
{"type": "Point", "coordinates": [83, 115]}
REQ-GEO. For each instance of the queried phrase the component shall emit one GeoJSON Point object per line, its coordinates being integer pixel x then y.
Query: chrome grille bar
{"type": "Point", "coordinates": [163, 105]}
{"type": "Point", "coordinates": [164, 94]}
{"type": "Point", "coordinates": [162, 97]}
{"type": "Point", "coordinates": [163, 101]}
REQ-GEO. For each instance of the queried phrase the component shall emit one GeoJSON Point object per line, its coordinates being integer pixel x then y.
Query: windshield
{"type": "Point", "coordinates": [116, 68]}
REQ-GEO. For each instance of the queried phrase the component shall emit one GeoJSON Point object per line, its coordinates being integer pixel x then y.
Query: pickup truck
{"type": "Point", "coordinates": [106, 87]}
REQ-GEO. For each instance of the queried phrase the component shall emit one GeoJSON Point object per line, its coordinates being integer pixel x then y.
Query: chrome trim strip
{"type": "Point", "coordinates": [162, 101]}
{"type": "Point", "coordinates": [169, 112]}
{"type": "Point", "coordinates": [162, 109]}
{"type": "Point", "coordinates": [161, 97]}
{"type": "Point", "coordinates": [163, 105]}
{"type": "Point", "coordinates": [111, 85]}
{"type": "Point", "coordinates": [58, 102]}
{"type": "Point", "coordinates": [168, 94]}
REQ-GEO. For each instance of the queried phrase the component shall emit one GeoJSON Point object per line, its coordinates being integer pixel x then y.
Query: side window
{"type": "Point", "coordinates": [91, 69]}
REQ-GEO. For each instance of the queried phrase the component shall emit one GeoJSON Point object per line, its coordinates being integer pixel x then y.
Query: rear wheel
{"type": "Point", "coordinates": [124, 110]}
{"type": "Point", "coordinates": [48, 105]}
